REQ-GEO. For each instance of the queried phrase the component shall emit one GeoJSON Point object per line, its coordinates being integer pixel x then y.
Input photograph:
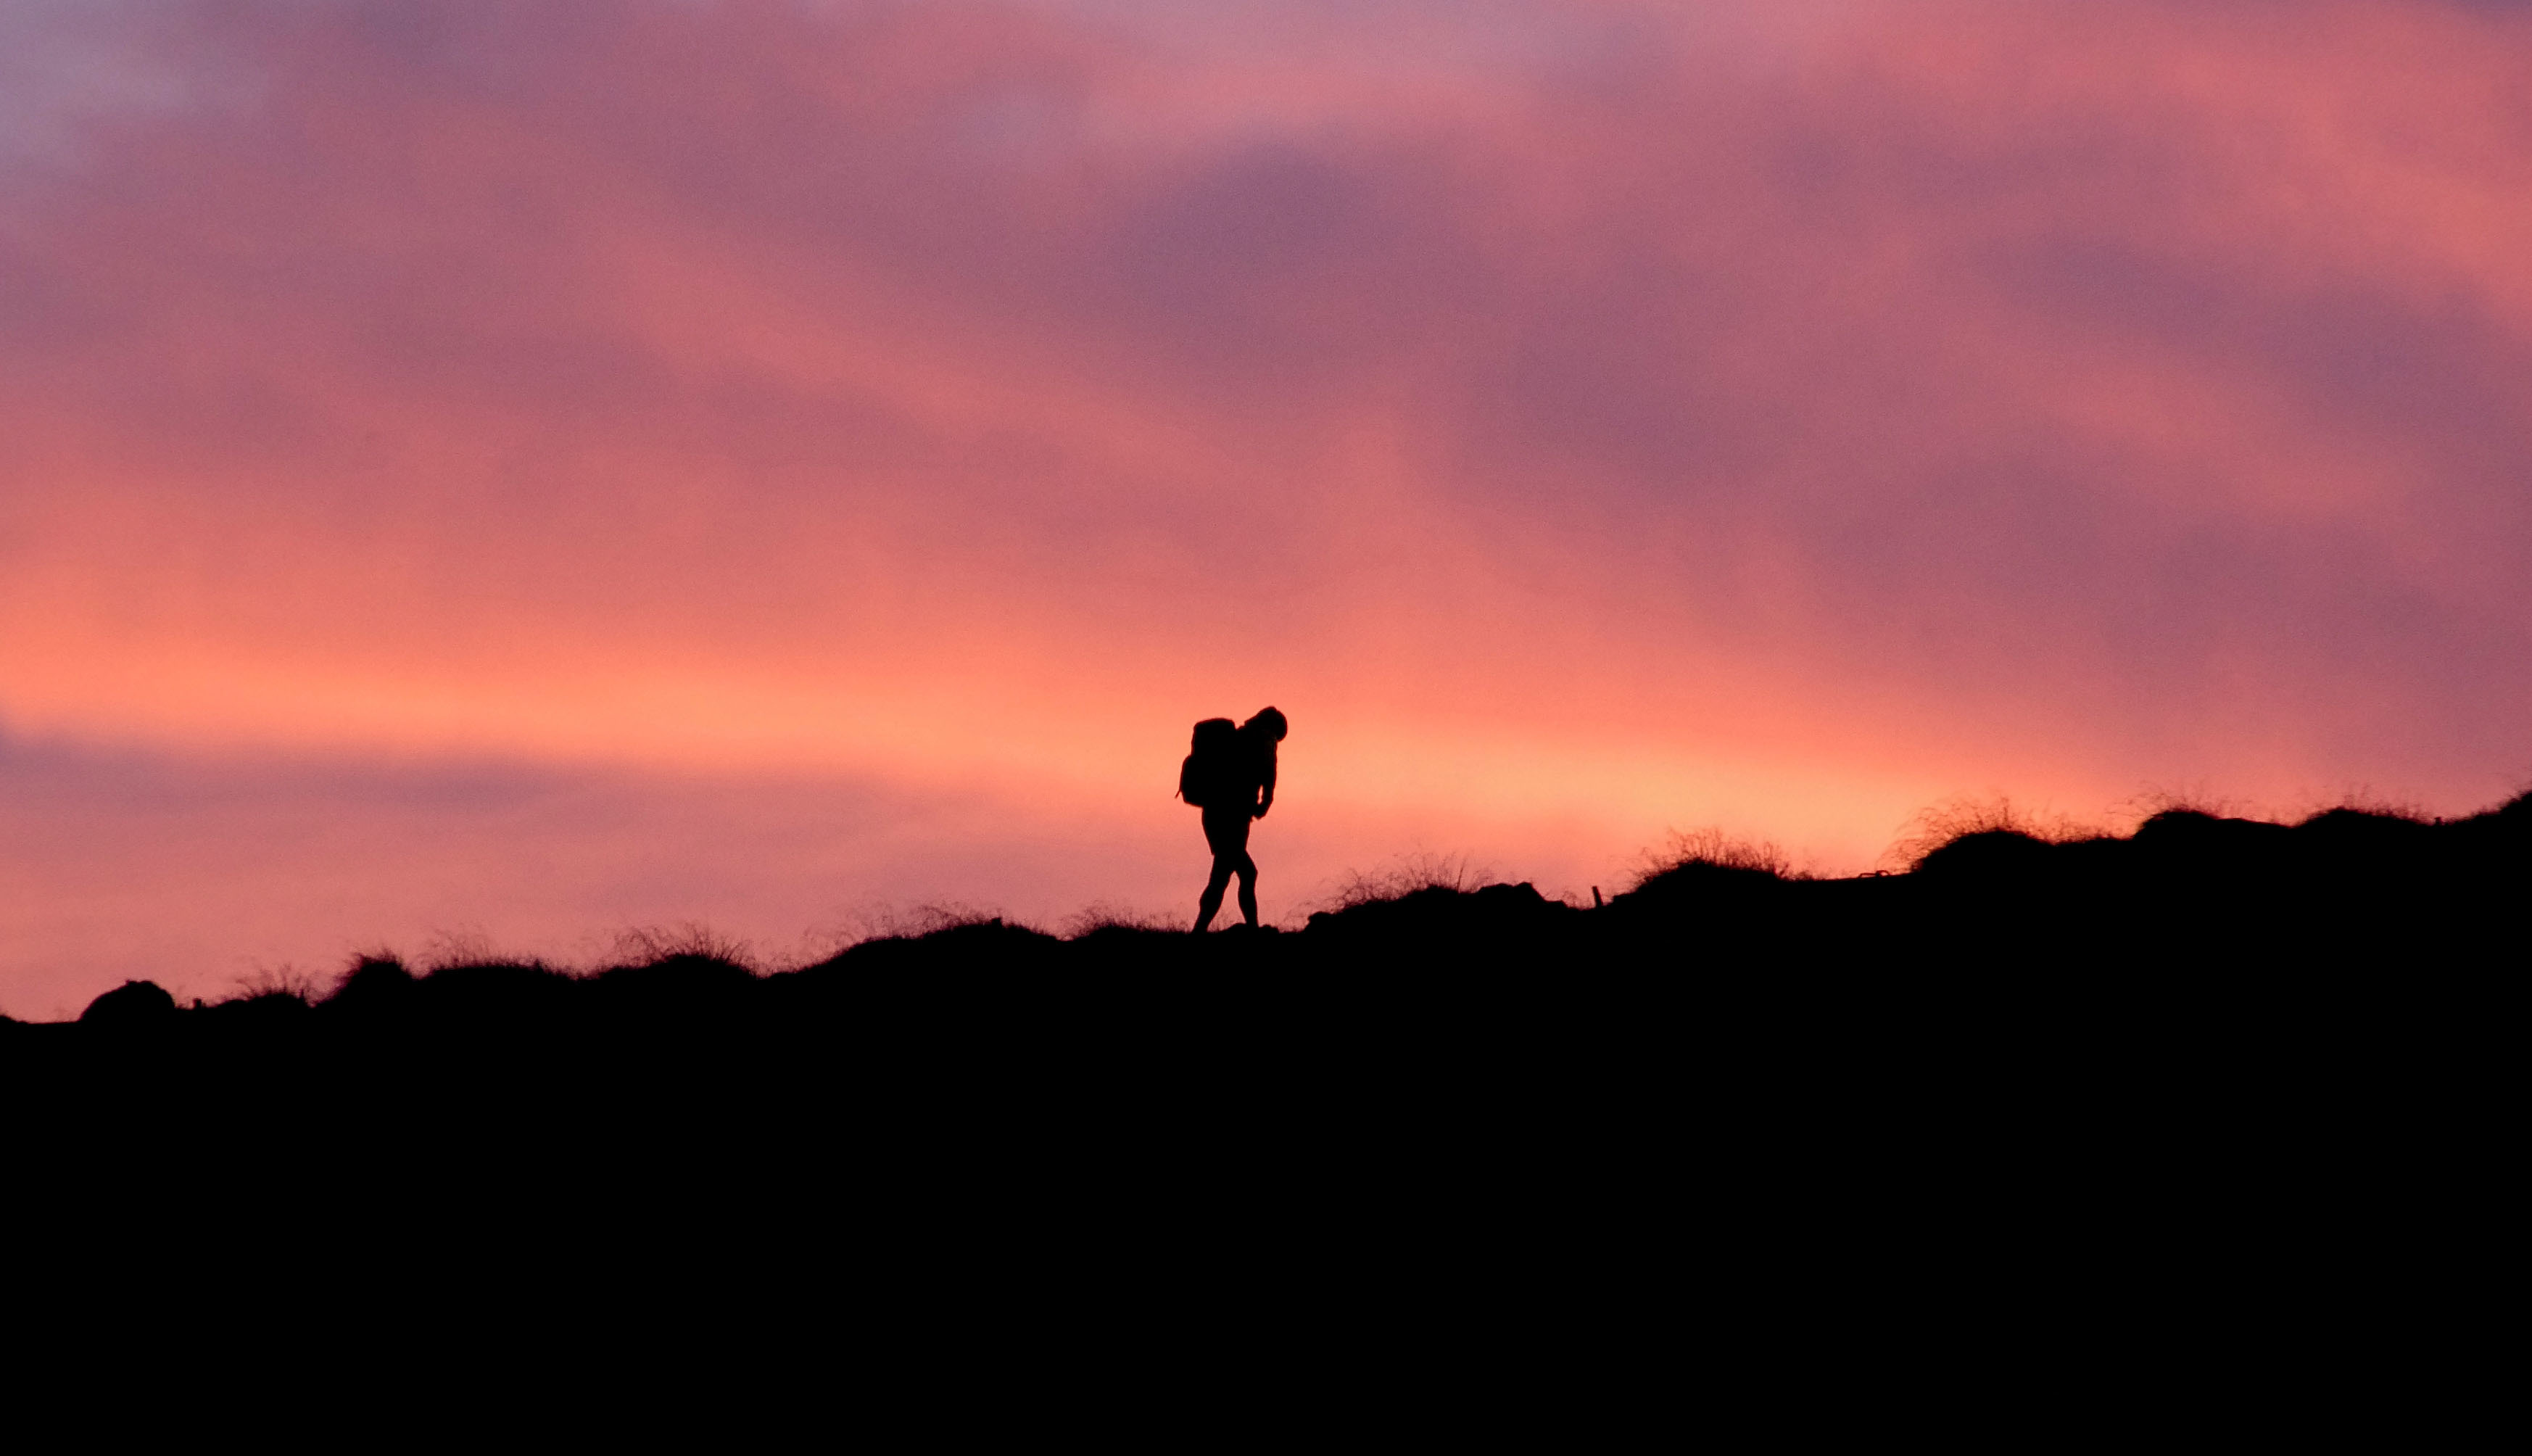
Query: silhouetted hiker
{"type": "Point", "coordinates": [1231, 776]}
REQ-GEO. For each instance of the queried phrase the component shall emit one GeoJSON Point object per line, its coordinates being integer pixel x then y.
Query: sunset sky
{"type": "Point", "coordinates": [495, 475]}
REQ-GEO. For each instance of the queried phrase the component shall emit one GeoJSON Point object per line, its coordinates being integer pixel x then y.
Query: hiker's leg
{"type": "Point", "coordinates": [1211, 904]}
{"type": "Point", "coordinates": [1225, 834]}
{"type": "Point", "coordinates": [1247, 869]}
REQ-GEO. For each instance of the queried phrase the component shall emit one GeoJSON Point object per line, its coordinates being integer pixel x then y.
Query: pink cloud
{"type": "Point", "coordinates": [1610, 404]}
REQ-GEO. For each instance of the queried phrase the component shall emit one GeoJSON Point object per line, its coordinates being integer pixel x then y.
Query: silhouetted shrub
{"type": "Point", "coordinates": [1712, 848]}
{"type": "Point", "coordinates": [1104, 917]}
{"type": "Point", "coordinates": [980, 944]}
{"type": "Point", "coordinates": [1987, 853]}
{"type": "Point", "coordinates": [262, 1009]}
{"type": "Point", "coordinates": [1411, 873]}
{"type": "Point", "coordinates": [1476, 927]}
{"type": "Point", "coordinates": [486, 992]}
{"type": "Point", "coordinates": [649, 944]}
{"type": "Point", "coordinates": [674, 985]}
{"type": "Point", "coordinates": [373, 984]}
{"type": "Point", "coordinates": [1697, 882]}
{"type": "Point", "coordinates": [2199, 842]}
{"type": "Point", "coordinates": [2363, 828]}
{"type": "Point", "coordinates": [1955, 819]}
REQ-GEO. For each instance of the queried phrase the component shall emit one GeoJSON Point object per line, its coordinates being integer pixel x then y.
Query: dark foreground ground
{"type": "Point", "coordinates": [2265, 1073]}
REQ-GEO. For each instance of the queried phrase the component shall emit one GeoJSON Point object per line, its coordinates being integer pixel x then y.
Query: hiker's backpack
{"type": "Point", "coordinates": [1212, 769]}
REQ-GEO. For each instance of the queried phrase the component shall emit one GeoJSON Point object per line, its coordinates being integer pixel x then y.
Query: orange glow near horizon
{"type": "Point", "coordinates": [1585, 420]}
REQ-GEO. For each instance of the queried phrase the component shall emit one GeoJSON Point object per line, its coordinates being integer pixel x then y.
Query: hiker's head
{"type": "Point", "coordinates": [1268, 723]}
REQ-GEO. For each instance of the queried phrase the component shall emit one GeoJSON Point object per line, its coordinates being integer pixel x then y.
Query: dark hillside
{"type": "Point", "coordinates": [2029, 1084]}
{"type": "Point", "coordinates": [1994, 936]}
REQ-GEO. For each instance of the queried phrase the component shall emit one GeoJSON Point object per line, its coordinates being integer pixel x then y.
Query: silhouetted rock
{"type": "Point", "coordinates": [134, 1004]}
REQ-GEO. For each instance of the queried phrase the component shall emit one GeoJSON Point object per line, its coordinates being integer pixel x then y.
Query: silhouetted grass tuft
{"type": "Point", "coordinates": [1410, 873]}
{"type": "Point", "coordinates": [1119, 918]}
{"type": "Point", "coordinates": [1692, 869]}
{"type": "Point", "coordinates": [1993, 822]}
{"type": "Point", "coordinates": [643, 945]}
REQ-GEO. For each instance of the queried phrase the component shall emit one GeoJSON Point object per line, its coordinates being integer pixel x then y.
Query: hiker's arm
{"type": "Point", "coordinates": [1266, 789]}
